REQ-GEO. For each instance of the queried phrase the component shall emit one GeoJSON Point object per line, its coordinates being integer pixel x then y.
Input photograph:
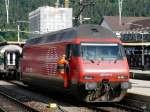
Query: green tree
{"type": "Point", "coordinates": [19, 10]}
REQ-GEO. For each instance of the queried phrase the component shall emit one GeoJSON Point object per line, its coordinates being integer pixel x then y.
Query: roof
{"type": "Point", "coordinates": [128, 23]}
{"type": "Point", "coordinates": [83, 31]}
{"type": "Point", "coordinates": [11, 48]}
{"type": "Point", "coordinates": [93, 31]}
{"type": "Point", "coordinates": [3, 43]}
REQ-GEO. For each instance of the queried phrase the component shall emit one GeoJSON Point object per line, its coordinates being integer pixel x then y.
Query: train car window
{"type": "Point", "coordinates": [69, 35]}
{"type": "Point", "coordinates": [51, 38]}
{"type": "Point", "coordinates": [28, 42]}
{"type": "Point", "coordinates": [1, 59]}
{"type": "Point", "coordinates": [62, 36]}
{"type": "Point", "coordinates": [34, 41]}
{"type": "Point", "coordinates": [38, 40]}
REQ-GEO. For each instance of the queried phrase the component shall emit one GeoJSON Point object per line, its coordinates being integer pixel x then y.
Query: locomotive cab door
{"type": "Point", "coordinates": [68, 52]}
{"type": "Point", "coordinates": [68, 58]}
{"type": "Point", "coordinates": [72, 51]}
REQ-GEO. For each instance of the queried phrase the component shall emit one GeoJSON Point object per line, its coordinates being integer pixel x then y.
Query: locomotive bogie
{"type": "Point", "coordinates": [103, 91]}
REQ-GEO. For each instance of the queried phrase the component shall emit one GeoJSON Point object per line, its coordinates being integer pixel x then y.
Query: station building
{"type": "Point", "coordinates": [134, 32]}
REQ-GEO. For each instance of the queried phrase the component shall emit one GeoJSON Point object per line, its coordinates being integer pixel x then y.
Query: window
{"type": "Point", "coordinates": [72, 49]}
{"type": "Point", "coordinates": [101, 51]}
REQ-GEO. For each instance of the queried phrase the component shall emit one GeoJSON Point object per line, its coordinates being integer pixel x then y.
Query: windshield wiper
{"type": "Point", "coordinates": [115, 61]}
{"type": "Point", "coordinates": [100, 59]}
{"type": "Point", "coordinates": [92, 60]}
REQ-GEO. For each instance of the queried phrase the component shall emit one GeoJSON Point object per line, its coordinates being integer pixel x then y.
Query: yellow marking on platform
{"type": "Point", "coordinates": [52, 105]}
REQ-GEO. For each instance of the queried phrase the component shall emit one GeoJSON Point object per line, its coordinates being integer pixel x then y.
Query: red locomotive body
{"type": "Point", "coordinates": [97, 68]}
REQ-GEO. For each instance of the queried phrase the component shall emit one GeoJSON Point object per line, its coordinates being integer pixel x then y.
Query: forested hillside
{"type": "Point", "coordinates": [19, 10]}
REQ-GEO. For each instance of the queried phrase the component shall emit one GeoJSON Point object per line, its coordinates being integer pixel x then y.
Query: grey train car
{"type": "Point", "coordinates": [9, 59]}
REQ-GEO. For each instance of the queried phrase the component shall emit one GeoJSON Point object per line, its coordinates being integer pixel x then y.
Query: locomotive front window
{"type": "Point", "coordinates": [97, 51]}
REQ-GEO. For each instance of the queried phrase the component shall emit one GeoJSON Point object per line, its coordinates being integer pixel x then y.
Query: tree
{"type": "Point", "coordinates": [19, 10]}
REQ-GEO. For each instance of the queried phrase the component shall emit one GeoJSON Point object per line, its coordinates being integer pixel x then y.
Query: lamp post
{"type": "Point", "coordinates": [80, 17]}
{"type": "Point", "coordinates": [7, 10]}
{"type": "Point", "coordinates": [18, 28]}
{"type": "Point", "coordinates": [120, 11]}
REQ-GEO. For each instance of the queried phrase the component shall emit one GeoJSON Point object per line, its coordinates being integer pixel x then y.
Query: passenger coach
{"type": "Point", "coordinates": [97, 68]}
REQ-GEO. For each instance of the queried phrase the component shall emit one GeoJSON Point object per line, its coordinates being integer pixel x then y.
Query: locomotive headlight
{"type": "Point", "coordinates": [122, 77]}
{"type": "Point", "coordinates": [90, 86]}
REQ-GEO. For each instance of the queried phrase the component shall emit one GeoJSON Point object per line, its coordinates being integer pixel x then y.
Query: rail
{"type": "Point", "coordinates": [140, 102]}
{"type": "Point", "coordinates": [16, 105]}
{"type": "Point", "coordinates": [123, 106]}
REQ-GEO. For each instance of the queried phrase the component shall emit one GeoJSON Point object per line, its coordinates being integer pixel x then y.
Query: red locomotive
{"type": "Point", "coordinates": [96, 67]}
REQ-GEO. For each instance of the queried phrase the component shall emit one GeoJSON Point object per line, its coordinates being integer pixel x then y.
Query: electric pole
{"type": "Point", "coordinates": [18, 30]}
{"type": "Point", "coordinates": [120, 11]}
{"type": "Point", "coordinates": [7, 10]}
{"type": "Point", "coordinates": [80, 18]}
{"type": "Point", "coordinates": [83, 5]}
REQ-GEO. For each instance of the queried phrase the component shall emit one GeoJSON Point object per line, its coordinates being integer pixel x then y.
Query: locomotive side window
{"type": "Point", "coordinates": [76, 50]}
{"type": "Point", "coordinates": [72, 50]}
{"type": "Point", "coordinates": [51, 38]}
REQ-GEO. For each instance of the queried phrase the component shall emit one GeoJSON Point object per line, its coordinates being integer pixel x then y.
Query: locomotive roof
{"type": "Point", "coordinates": [83, 31]}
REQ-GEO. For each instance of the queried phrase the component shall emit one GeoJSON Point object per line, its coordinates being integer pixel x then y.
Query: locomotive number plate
{"type": "Point", "coordinates": [105, 74]}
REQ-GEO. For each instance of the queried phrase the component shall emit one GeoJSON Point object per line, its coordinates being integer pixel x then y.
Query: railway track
{"type": "Point", "coordinates": [26, 97]}
{"type": "Point", "coordinates": [100, 107]}
{"type": "Point", "coordinates": [68, 105]}
{"type": "Point", "coordinates": [115, 107]}
{"type": "Point", "coordinates": [139, 102]}
{"type": "Point", "coordinates": [127, 107]}
{"type": "Point", "coordinates": [9, 104]}
{"type": "Point", "coordinates": [2, 110]}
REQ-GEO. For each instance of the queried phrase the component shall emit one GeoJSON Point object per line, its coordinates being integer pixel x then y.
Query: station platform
{"type": "Point", "coordinates": [140, 74]}
{"type": "Point", "coordinates": [140, 87]}
{"type": "Point", "coordinates": [139, 95]}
